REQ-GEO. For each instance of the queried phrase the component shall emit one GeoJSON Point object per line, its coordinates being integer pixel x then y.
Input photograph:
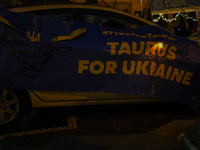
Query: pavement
{"type": "Point", "coordinates": [158, 139]}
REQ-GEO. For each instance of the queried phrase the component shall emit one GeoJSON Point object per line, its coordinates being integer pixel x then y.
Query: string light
{"type": "Point", "coordinates": [161, 16]}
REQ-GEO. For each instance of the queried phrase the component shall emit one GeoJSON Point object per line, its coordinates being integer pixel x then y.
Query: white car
{"type": "Point", "coordinates": [16, 103]}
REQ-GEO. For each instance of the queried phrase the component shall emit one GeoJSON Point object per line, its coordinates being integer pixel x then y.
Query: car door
{"type": "Point", "coordinates": [70, 84]}
{"type": "Point", "coordinates": [109, 86]}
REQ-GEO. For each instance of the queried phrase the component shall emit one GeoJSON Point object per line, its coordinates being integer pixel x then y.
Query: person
{"type": "Point", "coordinates": [175, 24]}
{"type": "Point", "coordinates": [184, 28]}
{"type": "Point", "coordinates": [195, 25]}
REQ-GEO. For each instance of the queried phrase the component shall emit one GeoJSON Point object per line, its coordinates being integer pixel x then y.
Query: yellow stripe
{"type": "Point", "coordinates": [74, 34]}
{"type": "Point", "coordinates": [6, 22]}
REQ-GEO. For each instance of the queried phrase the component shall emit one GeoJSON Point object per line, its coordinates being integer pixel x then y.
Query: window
{"type": "Point", "coordinates": [100, 17]}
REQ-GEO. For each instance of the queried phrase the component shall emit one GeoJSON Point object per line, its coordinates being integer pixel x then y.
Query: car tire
{"type": "Point", "coordinates": [13, 108]}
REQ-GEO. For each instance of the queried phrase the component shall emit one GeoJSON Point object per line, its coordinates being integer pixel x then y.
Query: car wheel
{"type": "Point", "coordinates": [12, 108]}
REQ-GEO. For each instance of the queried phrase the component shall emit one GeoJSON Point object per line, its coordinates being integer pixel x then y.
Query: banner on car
{"type": "Point", "coordinates": [51, 55]}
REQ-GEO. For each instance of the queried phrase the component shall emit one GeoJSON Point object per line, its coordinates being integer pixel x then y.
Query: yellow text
{"type": "Point", "coordinates": [149, 48]}
{"type": "Point", "coordinates": [149, 68]}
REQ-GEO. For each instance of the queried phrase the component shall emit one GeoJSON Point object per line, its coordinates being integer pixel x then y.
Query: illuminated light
{"type": "Point", "coordinates": [161, 16]}
{"type": "Point", "coordinates": [160, 45]}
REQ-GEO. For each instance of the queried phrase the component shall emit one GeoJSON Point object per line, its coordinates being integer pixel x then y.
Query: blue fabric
{"type": "Point", "coordinates": [99, 60]}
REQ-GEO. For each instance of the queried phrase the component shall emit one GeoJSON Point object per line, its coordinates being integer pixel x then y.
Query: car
{"type": "Point", "coordinates": [65, 54]}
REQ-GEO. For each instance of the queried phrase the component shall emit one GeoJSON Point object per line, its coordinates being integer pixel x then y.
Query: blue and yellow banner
{"type": "Point", "coordinates": [51, 55]}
